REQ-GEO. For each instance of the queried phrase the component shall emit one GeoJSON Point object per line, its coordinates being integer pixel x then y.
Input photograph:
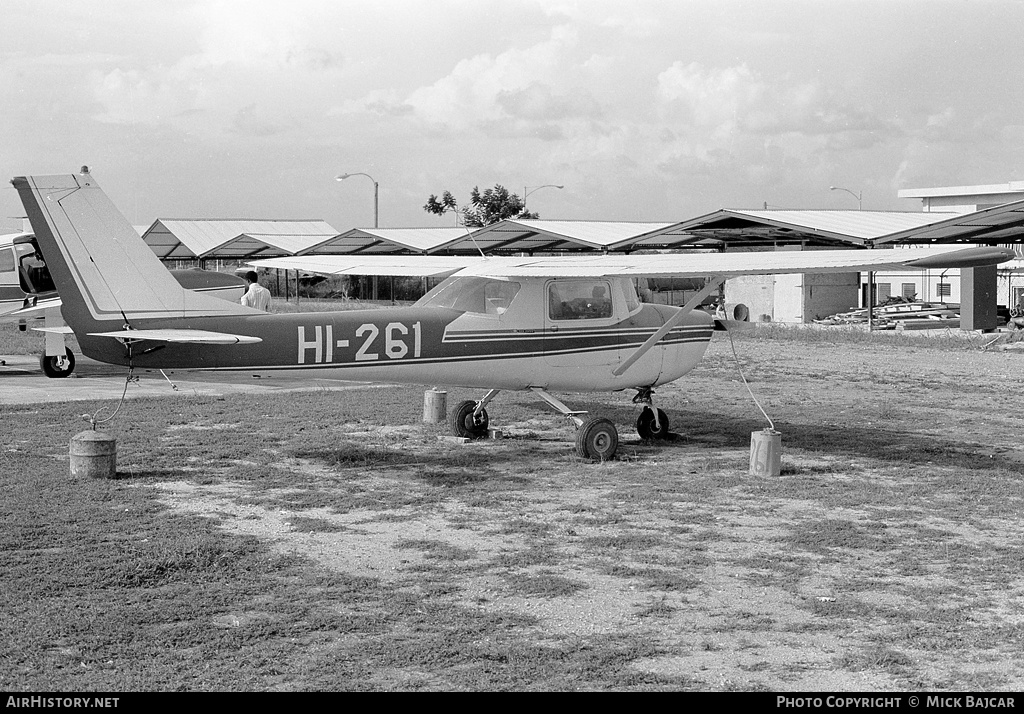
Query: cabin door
{"type": "Point", "coordinates": [580, 328]}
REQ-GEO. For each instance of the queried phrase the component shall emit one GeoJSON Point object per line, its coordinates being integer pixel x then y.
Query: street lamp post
{"type": "Point", "coordinates": [527, 190]}
{"type": "Point", "coordinates": [345, 176]}
{"type": "Point", "coordinates": [871, 274]}
{"type": "Point", "coordinates": [342, 177]}
{"type": "Point", "coordinates": [858, 196]}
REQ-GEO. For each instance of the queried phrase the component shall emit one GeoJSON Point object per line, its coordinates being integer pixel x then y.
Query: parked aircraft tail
{"type": "Point", "coordinates": [105, 273]}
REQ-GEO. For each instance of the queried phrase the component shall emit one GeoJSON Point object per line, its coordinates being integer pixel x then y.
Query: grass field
{"type": "Point", "coordinates": [328, 540]}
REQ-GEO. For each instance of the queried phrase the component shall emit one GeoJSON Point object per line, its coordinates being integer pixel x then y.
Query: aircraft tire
{"type": "Point", "coordinates": [57, 368]}
{"type": "Point", "coordinates": [464, 424]}
{"type": "Point", "coordinates": [597, 439]}
{"type": "Point", "coordinates": [645, 425]}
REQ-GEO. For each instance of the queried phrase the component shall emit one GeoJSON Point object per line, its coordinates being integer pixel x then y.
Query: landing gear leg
{"type": "Point", "coordinates": [469, 418]}
{"type": "Point", "coordinates": [652, 424]}
{"type": "Point", "coordinates": [596, 437]}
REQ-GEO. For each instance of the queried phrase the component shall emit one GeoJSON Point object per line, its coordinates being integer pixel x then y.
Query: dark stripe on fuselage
{"type": "Point", "coordinates": [11, 292]}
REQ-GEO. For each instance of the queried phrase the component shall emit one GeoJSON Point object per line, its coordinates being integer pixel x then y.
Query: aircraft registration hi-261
{"type": "Point", "coordinates": [542, 324]}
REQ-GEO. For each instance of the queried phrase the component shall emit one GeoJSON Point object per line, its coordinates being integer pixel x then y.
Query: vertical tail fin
{"type": "Point", "coordinates": [103, 270]}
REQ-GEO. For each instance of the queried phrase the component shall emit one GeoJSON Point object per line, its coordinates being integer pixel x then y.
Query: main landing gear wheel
{"type": "Point", "coordinates": [597, 439]}
{"type": "Point", "coordinates": [646, 427]}
{"type": "Point", "coordinates": [57, 366]}
{"type": "Point", "coordinates": [465, 424]}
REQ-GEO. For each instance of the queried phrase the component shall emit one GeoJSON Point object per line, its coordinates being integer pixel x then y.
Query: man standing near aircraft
{"type": "Point", "coordinates": [255, 295]}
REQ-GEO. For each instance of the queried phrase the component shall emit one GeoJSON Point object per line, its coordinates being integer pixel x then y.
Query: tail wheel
{"type": "Point", "coordinates": [646, 427]}
{"type": "Point", "coordinates": [58, 366]}
{"type": "Point", "coordinates": [465, 424]}
{"type": "Point", "coordinates": [597, 439]}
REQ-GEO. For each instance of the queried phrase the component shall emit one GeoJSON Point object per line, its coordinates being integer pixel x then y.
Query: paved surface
{"type": "Point", "coordinates": [22, 382]}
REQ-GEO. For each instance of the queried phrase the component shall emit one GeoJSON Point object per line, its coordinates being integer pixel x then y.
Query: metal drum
{"type": "Point", "coordinates": [93, 455]}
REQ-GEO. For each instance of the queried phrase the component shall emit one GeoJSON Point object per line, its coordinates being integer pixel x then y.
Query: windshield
{"type": "Point", "coordinates": [472, 294]}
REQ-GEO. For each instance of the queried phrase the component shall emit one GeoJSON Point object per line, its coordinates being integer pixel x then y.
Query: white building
{"type": "Point", "coordinates": [934, 285]}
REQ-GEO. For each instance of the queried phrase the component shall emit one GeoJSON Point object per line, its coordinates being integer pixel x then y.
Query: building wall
{"type": "Point", "coordinates": [926, 284]}
{"type": "Point", "coordinates": [757, 292]}
{"type": "Point", "coordinates": [795, 298]}
{"type": "Point", "coordinates": [828, 293]}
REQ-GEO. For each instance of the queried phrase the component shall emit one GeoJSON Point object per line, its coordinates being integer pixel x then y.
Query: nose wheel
{"type": "Point", "coordinates": [652, 424]}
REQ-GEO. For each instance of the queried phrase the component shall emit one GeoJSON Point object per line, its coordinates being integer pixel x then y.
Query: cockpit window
{"type": "Point", "coordinates": [472, 294]}
{"type": "Point", "coordinates": [6, 260]}
{"type": "Point", "coordinates": [579, 300]}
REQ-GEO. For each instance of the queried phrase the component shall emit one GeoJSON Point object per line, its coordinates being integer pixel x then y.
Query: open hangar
{"type": "Point", "coordinates": [794, 298]}
{"type": "Point", "coordinates": [803, 298]}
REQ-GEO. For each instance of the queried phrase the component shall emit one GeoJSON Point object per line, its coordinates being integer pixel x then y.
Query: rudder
{"type": "Point", "coordinates": [102, 269]}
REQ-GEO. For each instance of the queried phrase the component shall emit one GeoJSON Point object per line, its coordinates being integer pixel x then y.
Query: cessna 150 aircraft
{"type": "Point", "coordinates": [27, 294]}
{"type": "Point", "coordinates": [543, 324]}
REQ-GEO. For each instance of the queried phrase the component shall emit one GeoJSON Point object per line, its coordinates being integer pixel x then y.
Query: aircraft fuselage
{"type": "Point", "coordinates": [517, 346]}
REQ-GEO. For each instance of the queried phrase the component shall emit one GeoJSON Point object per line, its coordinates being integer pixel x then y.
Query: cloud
{"type": "Point", "coordinates": [248, 121]}
{"type": "Point", "coordinates": [488, 90]}
{"type": "Point", "coordinates": [248, 59]}
{"type": "Point", "coordinates": [260, 34]}
{"type": "Point", "coordinates": [542, 103]}
{"type": "Point", "coordinates": [715, 115]}
{"type": "Point", "coordinates": [133, 96]}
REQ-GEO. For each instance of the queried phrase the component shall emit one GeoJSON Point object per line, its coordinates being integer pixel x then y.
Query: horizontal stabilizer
{"type": "Point", "coordinates": [33, 312]}
{"type": "Point", "coordinates": [203, 337]}
{"type": "Point", "coordinates": [62, 330]}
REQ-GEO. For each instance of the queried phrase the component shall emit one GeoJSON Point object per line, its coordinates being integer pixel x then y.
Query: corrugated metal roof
{"type": "Point", "coordinates": [260, 238]}
{"type": "Point", "coordinates": [507, 235]}
{"type": "Point", "coordinates": [997, 225]}
{"type": "Point", "coordinates": [387, 240]}
{"type": "Point", "coordinates": [544, 235]}
{"type": "Point", "coordinates": [851, 227]}
{"type": "Point", "coordinates": [224, 238]}
{"type": "Point", "coordinates": [857, 224]}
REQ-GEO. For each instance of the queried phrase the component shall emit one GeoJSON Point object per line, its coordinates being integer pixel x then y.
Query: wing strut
{"type": "Point", "coordinates": [712, 284]}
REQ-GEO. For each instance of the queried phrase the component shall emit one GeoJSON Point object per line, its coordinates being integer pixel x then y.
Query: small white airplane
{"type": "Point", "coordinates": [27, 294]}
{"type": "Point", "coordinates": [542, 324]}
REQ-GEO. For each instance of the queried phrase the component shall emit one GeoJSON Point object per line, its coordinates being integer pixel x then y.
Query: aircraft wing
{"type": "Point", "coordinates": [698, 265]}
{"type": "Point", "coordinates": [430, 266]}
{"type": "Point", "coordinates": [668, 265]}
{"type": "Point", "coordinates": [171, 335]}
{"type": "Point", "coordinates": [33, 312]}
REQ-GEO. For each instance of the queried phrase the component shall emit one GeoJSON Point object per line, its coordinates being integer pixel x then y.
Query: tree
{"type": "Point", "coordinates": [493, 205]}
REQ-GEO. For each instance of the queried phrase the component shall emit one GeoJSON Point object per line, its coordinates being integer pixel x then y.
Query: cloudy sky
{"type": "Point", "coordinates": [643, 110]}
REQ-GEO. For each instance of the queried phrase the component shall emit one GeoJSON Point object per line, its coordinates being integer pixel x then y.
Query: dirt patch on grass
{"type": "Point", "coordinates": [329, 540]}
